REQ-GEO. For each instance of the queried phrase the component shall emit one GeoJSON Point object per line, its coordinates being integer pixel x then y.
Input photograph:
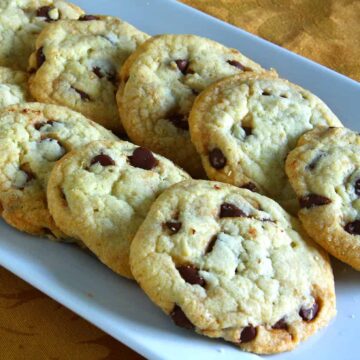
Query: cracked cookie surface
{"type": "Point", "coordinates": [100, 194]}
{"type": "Point", "coordinates": [158, 85]}
{"type": "Point", "coordinates": [33, 137]}
{"type": "Point", "coordinates": [76, 62]}
{"type": "Point", "coordinates": [13, 87]}
{"type": "Point", "coordinates": [21, 21]}
{"type": "Point", "coordinates": [230, 263]}
{"type": "Point", "coordinates": [324, 170]}
{"type": "Point", "coordinates": [243, 128]}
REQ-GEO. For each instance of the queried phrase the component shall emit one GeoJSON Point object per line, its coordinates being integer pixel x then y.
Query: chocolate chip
{"type": "Point", "coordinates": [103, 160]}
{"type": "Point", "coordinates": [84, 96]}
{"type": "Point", "coordinates": [248, 130]}
{"type": "Point", "coordinates": [250, 186]}
{"type": "Point", "coordinates": [40, 57]}
{"type": "Point", "coordinates": [353, 228]}
{"type": "Point", "coordinates": [313, 200]}
{"type": "Point", "coordinates": [143, 158]}
{"type": "Point", "coordinates": [211, 244]}
{"type": "Point", "coordinates": [180, 318]}
{"type": "Point", "coordinates": [191, 275]}
{"type": "Point", "coordinates": [314, 162]}
{"type": "Point", "coordinates": [230, 210]}
{"type": "Point", "coordinates": [236, 64]}
{"type": "Point", "coordinates": [308, 314]}
{"type": "Point", "coordinates": [173, 226]}
{"type": "Point", "coordinates": [88, 18]}
{"type": "Point", "coordinates": [280, 325]}
{"type": "Point", "coordinates": [97, 71]}
{"type": "Point", "coordinates": [248, 333]}
{"type": "Point", "coordinates": [217, 158]}
{"type": "Point", "coordinates": [109, 76]}
{"type": "Point", "coordinates": [180, 121]}
{"type": "Point", "coordinates": [182, 65]}
{"type": "Point", "coordinates": [40, 124]}
{"type": "Point", "coordinates": [357, 187]}
{"type": "Point", "coordinates": [44, 12]}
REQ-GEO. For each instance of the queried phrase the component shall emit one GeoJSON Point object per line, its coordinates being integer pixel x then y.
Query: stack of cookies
{"type": "Point", "coordinates": [224, 255]}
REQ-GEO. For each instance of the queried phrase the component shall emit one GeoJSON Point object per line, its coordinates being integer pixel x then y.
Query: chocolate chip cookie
{"type": "Point", "coordinates": [75, 64]}
{"type": "Point", "coordinates": [230, 263]}
{"type": "Point", "coordinates": [13, 87]}
{"type": "Point", "coordinates": [159, 83]}
{"type": "Point", "coordinates": [100, 194]}
{"type": "Point", "coordinates": [244, 126]}
{"type": "Point", "coordinates": [324, 170]}
{"type": "Point", "coordinates": [33, 137]}
{"type": "Point", "coordinates": [21, 21]}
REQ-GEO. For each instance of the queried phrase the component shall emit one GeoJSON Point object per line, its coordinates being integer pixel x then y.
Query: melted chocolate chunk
{"type": "Point", "coordinates": [217, 158]}
{"type": "Point", "coordinates": [353, 228]}
{"type": "Point", "coordinates": [143, 158]}
{"type": "Point", "coordinates": [236, 64]}
{"type": "Point", "coordinates": [88, 18]}
{"type": "Point", "coordinates": [248, 334]}
{"type": "Point", "coordinates": [250, 186]}
{"type": "Point", "coordinates": [211, 244]}
{"type": "Point", "coordinates": [357, 187]}
{"type": "Point", "coordinates": [312, 200]}
{"type": "Point", "coordinates": [280, 325]}
{"type": "Point", "coordinates": [83, 95]}
{"type": "Point", "coordinates": [44, 12]}
{"type": "Point", "coordinates": [180, 121]}
{"type": "Point", "coordinates": [182, 65]}
{"type": "Point", "coordinates": [103, 160]}
{"type": "Point", "coordinates": [191, 275]}
{"type": "Point", "coordinates": [173, 226]}
{"type": "Point", "coordinates": [180, 318]}
{"type": "Point", "coordinates": [230, 210]}
{"type": "Point", "coordinates": [40, 57]}
{"type": "Point", "coordinates": [308, 314]}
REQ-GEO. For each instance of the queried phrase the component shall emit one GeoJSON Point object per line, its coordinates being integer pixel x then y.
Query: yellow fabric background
{"type": "Point", "coordinates": [32, 326]}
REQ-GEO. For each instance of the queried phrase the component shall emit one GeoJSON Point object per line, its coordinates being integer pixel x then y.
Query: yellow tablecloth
{"type": "Point", "coordinates": [32, 326]}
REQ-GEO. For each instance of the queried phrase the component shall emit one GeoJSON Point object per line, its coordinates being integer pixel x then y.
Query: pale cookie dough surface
{"type": "Point", "coordinates": [233, 264]}
{"type": "Point", "coordinates": [100, 194]}
{"type": "Point", "coordinates": [33, 137]}
{"type": "Point", "coordinates": [243, 128]}
{"type": "Point", "coordinates": [324, 170]}
{"type": "Point", "coordinates": [159, 83]}
{"type": "Point", "coordinates": [21, 21]}
{"type": "Point", "coordinates": [13, 87]}
{"type": "Point", "coordinates": [76, 62]}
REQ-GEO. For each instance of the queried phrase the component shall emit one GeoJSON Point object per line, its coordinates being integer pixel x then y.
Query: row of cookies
{"type": "Point", "coordinates": [242, 127]}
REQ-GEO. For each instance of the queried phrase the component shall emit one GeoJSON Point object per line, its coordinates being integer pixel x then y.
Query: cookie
{"type": "Point", "coordinates": [243, 128]}
{"type": "Point", "coordinates": [75, 64]}
{"type": "Point", "coordinates": [324, 170]}
{"type": "Point", "coordinates": [33, 137]}
{"type": "Point", "coordinates": [20, 23]}
{"type": "Point", "coordinates": [159, 83]}
{"type": "Point", "coordinates": [100, 194]}
{"type": "Point", "coordinates": [13, 87]}
{"type": "Point", "coordinates": [229, 263]}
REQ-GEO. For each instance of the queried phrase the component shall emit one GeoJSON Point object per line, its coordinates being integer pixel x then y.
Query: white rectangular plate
{"type": "Point", "coordinates": [118, 306]}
